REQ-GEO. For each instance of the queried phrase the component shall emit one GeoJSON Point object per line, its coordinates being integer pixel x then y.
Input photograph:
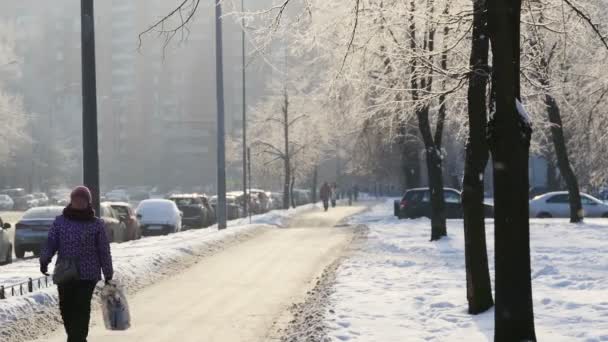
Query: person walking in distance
{"type": "Point", "coordinates": [79, 239]}
{"type": "Point", "coordinates": [334, 194]}
{"type": "Point", "coordinates": [325, 195]}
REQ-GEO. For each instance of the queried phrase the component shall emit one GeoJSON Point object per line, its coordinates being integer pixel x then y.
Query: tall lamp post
{"type": "Point", "coordinates": [90, 151]}
{"type": "Point", "coordinates": [221, 142]}
{"type": "Point", "coordinates": [245, 157]}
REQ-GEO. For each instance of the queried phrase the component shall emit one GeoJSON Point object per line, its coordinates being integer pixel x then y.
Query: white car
{"type": "Point", "coordinates": [159, 217]}
{"type": "Point", "coordinates": [6, 203]}
{"type": "Point", "coordinates": [6, 247]}
{"type": "Point", "coordinates": [556, 204]}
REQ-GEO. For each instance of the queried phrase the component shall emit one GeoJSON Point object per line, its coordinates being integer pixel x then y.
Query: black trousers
{"type": "Point", "coordinates": [75, 305]}
{"type": "Point", "coordinates": [326, 204]}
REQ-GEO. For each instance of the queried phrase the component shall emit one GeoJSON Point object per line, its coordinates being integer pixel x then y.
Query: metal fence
{"type": "Point", "coordinates": [23, 288]}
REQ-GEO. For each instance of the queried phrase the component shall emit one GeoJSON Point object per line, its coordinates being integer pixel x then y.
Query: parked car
{"type": "Point", "coordinates": [234, 209]}
{"type": "Point", "coordinates": [14, 193]}
{"type": "Point", "coordinates": [195, 214]}
{"type": "Point", "coordinates": [6, 202]}
{"type": "Point", "coordinates": [26, 202]}
{"type": "Point", "coordinates": [159, 217]}
{"type": "Point", "coordinates": [116, 229]}
{"type": "Point", "coordinates": [537, 191]}
{"type": "Point", "coordinates": [41, 199]}
{"type": "Point", "coordinates": [263, 201]}
{"type": "Point", "coordinates": [117, 195]}
{"type": "Point", "coordinates": [557, 204]}
{"type": "Point", "coordinates": [212, 218]}
{"type": "Point", "coordinates": [6, 247]}
{"type": "Point", "coordinates": [60, 197]}
{"type": "Point", "coordinates": [277, 200]}
{"type": "Point", "coordinates": [126, 214]}
{"type": "Point", "coordinates": [31, 231]}
{"type": "Point", "coordinates": [417, 203]}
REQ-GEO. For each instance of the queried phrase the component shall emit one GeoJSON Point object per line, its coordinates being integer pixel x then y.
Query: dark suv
{"type": "Point", "coordinates": [416, 203]}
{"type": "Point", "coordinates": [195, 213]}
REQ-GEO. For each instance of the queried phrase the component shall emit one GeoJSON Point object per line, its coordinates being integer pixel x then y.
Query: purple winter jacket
{"type": "Point", "coordinates": [92, 249]}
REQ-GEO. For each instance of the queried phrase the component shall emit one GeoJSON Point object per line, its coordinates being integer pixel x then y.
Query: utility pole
{"type": "Point", "coordinates": [90, 152]}
{"type": "Point", "coordinates": [249, 173]}
{"type": "Point", "coordinates": [221, 141]}
{"type": "Point", "coordinates": [245, 151]}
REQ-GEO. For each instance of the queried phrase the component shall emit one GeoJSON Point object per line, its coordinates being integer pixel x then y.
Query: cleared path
{"type": "Point", "coordinates": [241, 292]}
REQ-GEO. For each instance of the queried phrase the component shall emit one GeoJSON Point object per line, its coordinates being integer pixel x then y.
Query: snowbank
{"type": "Point", "coordinates": [401, 287]}
{"type": "Point", "coordinates": [137, 264]}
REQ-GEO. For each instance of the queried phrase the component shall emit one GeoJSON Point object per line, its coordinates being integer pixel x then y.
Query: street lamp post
{"type": "Point", "coordinates": [90, 153]}
{"type": "Point", "coordinates": [244, 110]}
{"type": "Point", "coordinates": [221, 142]}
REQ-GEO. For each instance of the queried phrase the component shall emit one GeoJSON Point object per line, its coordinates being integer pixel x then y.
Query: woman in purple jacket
{"type": "Point", "coordinates": [78, 234]}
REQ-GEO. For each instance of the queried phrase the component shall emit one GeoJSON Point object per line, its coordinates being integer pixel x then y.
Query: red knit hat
{"type": "Point", "coordinates": [82, 192]}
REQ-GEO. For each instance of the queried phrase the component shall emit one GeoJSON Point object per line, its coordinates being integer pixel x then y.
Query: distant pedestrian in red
{"type": "Point", "coordinates": [325, 195]}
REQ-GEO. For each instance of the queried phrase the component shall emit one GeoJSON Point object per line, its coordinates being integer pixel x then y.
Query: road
{"type": "Point", "coordinates": [240, 294]}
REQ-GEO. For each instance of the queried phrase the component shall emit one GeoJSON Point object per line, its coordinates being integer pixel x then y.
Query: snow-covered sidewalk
{"type": "Point", "coordinates": [400, 287]}
{"type": "Point", "coordinates": [137, 264]}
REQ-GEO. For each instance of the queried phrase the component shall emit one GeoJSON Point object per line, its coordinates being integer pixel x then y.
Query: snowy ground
{"type": "Point", "coordinates": [400, 287]}
{"type": "Point", "coordinates": [137, 264]}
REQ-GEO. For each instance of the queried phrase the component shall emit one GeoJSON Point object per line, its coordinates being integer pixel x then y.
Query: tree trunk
{"type": "Point", "coordinates": [315, 176]}
{"type": "Point", "coordinates": [563, 162]}
{"type": "Point", "coordinates": [287, 159]}
{"type": "Point", "coordinates": [552, 177]}
{"type": "Point", "coordinates": [509, 136]}
{"type": "Point", "coordinates": [438, 221]}
{"type": "Point", "coordinates": [291, 196]}
{"type": "Point", "coordinates": [479, 287]}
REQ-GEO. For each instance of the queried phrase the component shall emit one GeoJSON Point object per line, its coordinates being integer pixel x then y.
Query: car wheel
{"type": "Point", "coordinates": [544, 216]}
{"type": "Point", "coordinates": [19, 252]}
{"type": "Point", "coordinates": [605, 215]}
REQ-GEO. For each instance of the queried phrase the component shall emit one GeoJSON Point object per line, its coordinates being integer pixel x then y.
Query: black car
{"type": "Point", "coordinates": [416, 203]}
{"type": "Point", "coordinates": [195, 213]}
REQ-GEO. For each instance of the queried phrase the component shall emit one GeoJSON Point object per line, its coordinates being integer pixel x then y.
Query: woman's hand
{"type": "Point", "coordinates": [44, 269]}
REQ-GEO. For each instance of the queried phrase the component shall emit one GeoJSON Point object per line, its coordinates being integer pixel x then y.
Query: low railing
{"type": "Point", "coordinates": [25, 287]}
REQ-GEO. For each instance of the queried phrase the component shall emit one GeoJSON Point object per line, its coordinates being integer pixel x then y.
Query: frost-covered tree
{"type": "Point", "coordinates": [13, 135]}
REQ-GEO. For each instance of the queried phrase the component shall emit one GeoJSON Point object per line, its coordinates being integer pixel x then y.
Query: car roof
{"type": "Point", "coordinates": [428, 189]}
{"type": "Point", "coordinates": [118, 204]}
{"type": "Point", "coordinates": [553, 193]}
{"type": "Point", "coordinates": [157, 201]}
{"type": "Point", "coordinates": [53, 208]}
{"type": "Point", "coordinates": [185, 196]}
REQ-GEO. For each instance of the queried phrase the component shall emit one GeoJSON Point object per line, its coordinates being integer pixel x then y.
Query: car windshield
{"type": "Point", "coordinates": [4, 197]}
{"type": "Point", "coordinates": [186, 201]}
{"type": "Point", "coordinates": [42, 213]}
{"type": "Point", "coordinates": [121, 211]}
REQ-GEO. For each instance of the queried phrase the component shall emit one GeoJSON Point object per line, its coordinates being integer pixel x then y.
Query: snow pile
{"type": "Point", "coordinates": [401, 287]}
{"type": "Point", "coordinates": [137, 264]}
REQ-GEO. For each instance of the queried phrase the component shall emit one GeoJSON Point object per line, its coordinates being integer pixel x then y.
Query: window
{"type": "Point", "coordinates": [451, 197]}
{"type": "Point", "coordinates": [587, 201]}
{"type": "Point", "coordinates": [122, 212]}
{"type": "Point", "coordinates": [558, 199]}
{"type": "Point", "coordinates": [414, 196]}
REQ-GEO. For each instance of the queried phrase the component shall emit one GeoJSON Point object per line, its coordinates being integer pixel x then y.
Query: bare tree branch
{"type": "Point", "coordinates": [586, 18]}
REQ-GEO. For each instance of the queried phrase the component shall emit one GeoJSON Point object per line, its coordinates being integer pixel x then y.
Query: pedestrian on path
{"type": "Point", "coordinates": [325, 195]}
{"type": "Point", "coordinates": [79, 239]}
{"type": "Point", "coordinates": [334, 195]}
